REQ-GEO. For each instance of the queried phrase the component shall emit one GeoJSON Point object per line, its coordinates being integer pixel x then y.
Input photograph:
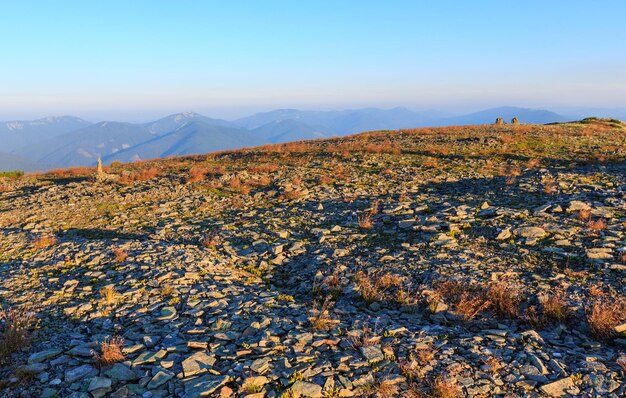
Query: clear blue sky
{"type": "Point", "coordinates": [137, 59]}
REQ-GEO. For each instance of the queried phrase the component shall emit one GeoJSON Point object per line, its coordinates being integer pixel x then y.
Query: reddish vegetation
{"type": "Point", "coordinates": [120, 254]}
{"type": "Point", "coordinates": [596, 226]}
{"type": "Point", "coordinates": [196, 174]}
{"type": "Point", "coordinates": [15, 328]}
{"type": "Point", "coordinates": [264, 168]}
{"type": "Point", "coordinates": [604, 314]}
{"type": "Point", "coordinates": [140, 175]}
{"type": "Point", "coordinates": [110, 352]}
{"type": "Point", "coordinates": [147, 174]}
{"type": "Point", "coordinates": [44, 241]}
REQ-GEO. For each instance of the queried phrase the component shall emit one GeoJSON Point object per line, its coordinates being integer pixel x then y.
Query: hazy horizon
{"type": "Point", "coordinates": [233, 114]}
{"type": "Point", "coordinates": [138, 60]}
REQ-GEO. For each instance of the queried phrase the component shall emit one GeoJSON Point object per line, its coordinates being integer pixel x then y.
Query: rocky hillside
{"type": "Point", "coordinates": [464, 261]}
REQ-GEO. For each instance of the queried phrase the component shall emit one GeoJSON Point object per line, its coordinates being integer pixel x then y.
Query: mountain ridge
{"type": "Point", "coordinates": [75, 142]}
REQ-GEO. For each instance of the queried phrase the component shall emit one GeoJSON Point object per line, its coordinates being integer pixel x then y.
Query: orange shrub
{"type": "Point", "coordinates": [44, 241]}
{"type": "Point", "coordinates": [196, 174]}
{"type": "Point", "coordinates": [147, 174]}
{"type": "Point", "coordinates": [604, 314]}
{"type": "Point", "coordinates": [110, 352]}
{"type": "Point", "coordinates": [120, 254]}
{"type": "Point", "coordinates": [264, 168]}
{"type": "Point", "coordinates": [15, 328]}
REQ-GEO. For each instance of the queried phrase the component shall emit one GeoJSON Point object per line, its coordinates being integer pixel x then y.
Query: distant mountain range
{"type": "Point", "coordinates": [64, 141]}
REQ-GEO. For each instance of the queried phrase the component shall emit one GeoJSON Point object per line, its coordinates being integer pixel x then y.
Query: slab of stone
{"type": "Point", "coordinates": [167, 314]}
{"type": "Point", "coordinates": [372, 353]}
{"type": "Point", "coordinates": [159, 379]}
{"type": "Point", "coordinates": [260, 365]}
{"type": "Point", "coordinates": [43, 355]}
{"type": "Point", "coordinates": [120, 372]}
{"type": "Point", "coordinates": [530, 232]}
{"type": "Point", "coordinates": [97, 383]}
{"type": "Point", "coordinates": [74, 374]}
{"type": "Point", "coordinates": [306, 389]}
{"type": "Point", "coordinates": [558, 388]}
{"type": "Point", "coordinates": [197, 363]}
{"type": "Point", "coordinates": [149, 357]}
{"type": "Point", "coordinates": [203, 386]}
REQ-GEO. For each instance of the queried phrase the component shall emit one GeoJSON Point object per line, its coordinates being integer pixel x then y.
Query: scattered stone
{"type": "Point", "coordinates": [77, 373]}
{"type": "Point", "coordinates": [558, 388]}
{"type": "Point", "coordinates": [530, 232]}
{"type": "Point", "coordinates": [306, 389]}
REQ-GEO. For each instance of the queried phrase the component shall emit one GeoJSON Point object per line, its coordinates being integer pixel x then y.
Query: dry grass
{"type": "Point", "coordinates": [604, 314]}
{"type": "Point", "coordinates": [296, 180]}
{"type": "Point", "coordinates": [325, 180]}
{"type": "Point", "coordinates": [251, 387]}
{"type": "Point", "coordinates": [381, 389]}
{"type": "Point", "coordinates": [80, 171]}
{"type": "Point", "coordinates": [597, 226]}
{"type": "Point", "coordinates": [167, 290]}
{"type": "Point", "coordinates": [290, 194]}
{"type": "Point", "coordinates": [120, 254]}
{"type": "Point", "coordinates": [470, 304]}
{"type": "Point", "coordinates": [504, 299]}
{"type": "Point", "coordinates": [383, 147]}
{"type": "Point", "coordinates": [44, 241]}
{"type": "Point", "coordinates": [468, 300]}
{"type": "Point", "coordinates": [550, 186]}
{"type": "Point", "coordinates": [375, 289]}
{"type": "Point", "coordinates": [367, 287]}
{"type": "Point", "coordinates": [431, 163]}
{"type": "Point", "coordinates": [333, 285]}
{"type": "Point", "coordinates": [110, 352]}
{"type": "Point", "coordinates": [263, 181]}
{"type": "Point", "coordinates": [320, 317]}
{"type": "Point", "coordinates": [211, 239]}
{"type": "Point", "coordinates": [494, 365]}
{"type": "Point", "coordinates": [450, 290]}
{"type": "Point", "coordinates": [424, 354]}
{"type": "Point", "coordinates": [584, 215]}
{"type": "Point", "coordinates": [264, 168]}
{"type": "Point", "coordinates": [196, 174]}
{"type": "Point", "coordinates": [555, 307]}
{"type": "Point", "coordinates": [147, 174]}
{"type": "Point", "coordinates": [126, 179]}
{"type": "Point", "coordinates": [595, 290]}
{"type": "Point", "coordinates": [16, 325]}
{"type": "Point", "coordinates": [130, 179]}
{"type": "Point", "coordinates": [532, 163]}
{"type": "Point", "coordinates": [109, 295]}
{"type": "Point", "coordinates": [366, 336]}
{"type": "Point", "coordinates": [445, 386]}
{"type": "Point", "coordinates": [235, 183]}
{"type": "Point", "coordinates": [365, 220]}
{"type": "Point", "coordinates": [411, 370]}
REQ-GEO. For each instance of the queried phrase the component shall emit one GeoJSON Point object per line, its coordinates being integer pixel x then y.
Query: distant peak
{"type": "Point", "coordinates": [185, 115]}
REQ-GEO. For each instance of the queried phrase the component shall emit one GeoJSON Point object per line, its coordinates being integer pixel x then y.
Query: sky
{"type": "Point", "coordinates": [135, 60]}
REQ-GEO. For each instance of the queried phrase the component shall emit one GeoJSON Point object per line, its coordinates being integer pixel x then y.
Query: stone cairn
{"type": "Point", "coordinates": [515, 121]}
{"type": "Point", "coordinates": [100, 171]}
{"type": "Point", "coordinates": [102, 176]}
{"type": "Point", "coordinates": [499, 121]}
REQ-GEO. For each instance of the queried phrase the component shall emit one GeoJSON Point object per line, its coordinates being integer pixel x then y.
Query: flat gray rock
{"type": "Point", "coordinates": [203, 386]}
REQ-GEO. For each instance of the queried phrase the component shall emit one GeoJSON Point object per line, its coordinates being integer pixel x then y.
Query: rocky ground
{"type": "Point", "coordinates": [477, 261]}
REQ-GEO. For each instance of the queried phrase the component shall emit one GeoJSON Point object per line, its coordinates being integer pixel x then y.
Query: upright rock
{"type": "Point", "coordinates": [515, 121]}
{"type": "Point", "coordinates": [100, 171]}
{"type": "Point", "coordinates": [499, 121]}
